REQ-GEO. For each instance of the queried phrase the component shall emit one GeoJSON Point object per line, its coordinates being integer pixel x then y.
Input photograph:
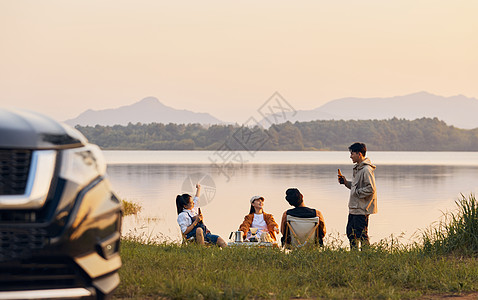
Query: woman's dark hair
{"type": "Point", "coordinates": [252, 210]}
{"type": "Point", "coordinates": [294, 197]}
{"type": "Point", "coordinates": [358, 148]}
{"type": "Point", "coordinates": [181, 201]}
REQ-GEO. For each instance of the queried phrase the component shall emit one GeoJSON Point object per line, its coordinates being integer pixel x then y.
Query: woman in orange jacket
{"type": "Point", "coordinates": [257, 218]}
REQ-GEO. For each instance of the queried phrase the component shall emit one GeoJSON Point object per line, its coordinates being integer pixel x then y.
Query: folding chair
{"type": "Point", "coordinates": [192, 239]}
{"type": "Point", "coordinates": [186, 240]}
{"type": "Point", "coordinates": [302, 231]}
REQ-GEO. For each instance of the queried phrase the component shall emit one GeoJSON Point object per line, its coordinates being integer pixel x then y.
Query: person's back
{"type": "Point", "coordinates": [302, 212]}
{"type": "Point", "coordinates": [295, 198]}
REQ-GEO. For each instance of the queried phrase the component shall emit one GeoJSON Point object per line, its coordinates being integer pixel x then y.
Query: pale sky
{"type": "Point", "coordinates": [228, 57]}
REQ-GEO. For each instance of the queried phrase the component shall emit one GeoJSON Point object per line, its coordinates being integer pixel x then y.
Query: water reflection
{"type": "Point", "coordinates": [410, 197]}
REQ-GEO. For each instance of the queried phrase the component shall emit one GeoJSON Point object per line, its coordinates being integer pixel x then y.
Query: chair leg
{"type": "Point", "coordinates": [313, 230]}
{"type": "Point", "coordinates": [294, 234]}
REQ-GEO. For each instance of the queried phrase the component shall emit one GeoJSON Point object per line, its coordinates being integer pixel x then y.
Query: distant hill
{"type": "Point", "coordinates": [458, 111]}
{"type": "Point", "coordinates": [146, 111]}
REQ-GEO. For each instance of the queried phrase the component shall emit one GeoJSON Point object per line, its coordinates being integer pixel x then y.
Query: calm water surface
{"type": "Point", "coordinates": [414, 188]}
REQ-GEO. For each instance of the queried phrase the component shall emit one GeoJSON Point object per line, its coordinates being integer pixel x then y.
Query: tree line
{"type": "Point", "coordinates": [423, 134]}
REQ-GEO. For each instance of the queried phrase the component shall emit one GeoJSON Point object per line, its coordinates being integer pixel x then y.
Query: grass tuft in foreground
{"type": "Point", "coordinates": [458, 233]}
{"type": "Point", "coordinates": [130, 208]}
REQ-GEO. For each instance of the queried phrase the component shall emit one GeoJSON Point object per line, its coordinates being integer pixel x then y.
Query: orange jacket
{"type": "Point", "coordinates": [271, 224]}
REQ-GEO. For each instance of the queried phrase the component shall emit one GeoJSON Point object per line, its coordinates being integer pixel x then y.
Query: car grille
{"type": "Point", "coordinates": [20, 243]}
{"type": "Point", "coordinates": [40, 273]}
{"type": "Point", "coordinates": [14, 168]}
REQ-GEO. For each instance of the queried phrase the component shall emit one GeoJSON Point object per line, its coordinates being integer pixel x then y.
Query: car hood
{"type": "Point", "coordinates": [22, 129]}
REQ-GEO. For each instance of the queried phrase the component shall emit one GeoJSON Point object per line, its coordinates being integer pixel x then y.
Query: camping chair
{"type": "Point", "coordinates": [302, 231]}
{"type": "Point", "coordinates": [186, 240]}
{"type": "Point", "coordinates": [192, 239]}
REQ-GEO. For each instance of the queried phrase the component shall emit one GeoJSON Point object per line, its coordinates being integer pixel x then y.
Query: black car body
{"type": "Point", "coordinates": [59, 220]}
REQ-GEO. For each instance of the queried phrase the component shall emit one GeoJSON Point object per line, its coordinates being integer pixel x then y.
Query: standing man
{"type": "Point", "coordinates": [363, 195]}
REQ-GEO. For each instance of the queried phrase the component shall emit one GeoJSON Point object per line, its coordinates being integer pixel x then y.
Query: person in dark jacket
{"type": "Point", "coordinates": [300, 210]}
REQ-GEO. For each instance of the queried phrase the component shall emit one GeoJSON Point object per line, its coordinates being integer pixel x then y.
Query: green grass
{"type": "Point", "coordinates": [388, 270]}
{"type": "Point", "coordinates": [179, 272]}
{"type": "Point", "coordinates": [458, 233]}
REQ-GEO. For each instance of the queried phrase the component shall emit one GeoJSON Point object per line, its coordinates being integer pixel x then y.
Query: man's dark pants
{"type": "Point", "coordinates": [357, 230]}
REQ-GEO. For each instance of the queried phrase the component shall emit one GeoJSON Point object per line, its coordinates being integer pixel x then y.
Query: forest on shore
{"type": "Point", "coordinates": [423, 134]}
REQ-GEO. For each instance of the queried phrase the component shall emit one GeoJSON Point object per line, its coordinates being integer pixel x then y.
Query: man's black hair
{"type": "Point", "coordinates": [294, 197]}
{"type": "Point", "coordinates": [358, 147]}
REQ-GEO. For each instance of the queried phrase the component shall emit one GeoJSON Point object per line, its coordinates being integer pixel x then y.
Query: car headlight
{"type": "Point", "coordinates": [82, 165]}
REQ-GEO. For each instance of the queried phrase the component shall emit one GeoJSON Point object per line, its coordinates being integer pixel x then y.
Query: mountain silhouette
{"type": "Point", "coordinates": [146, 111]}
{"type": "Point", "coordinates": [458, 111]}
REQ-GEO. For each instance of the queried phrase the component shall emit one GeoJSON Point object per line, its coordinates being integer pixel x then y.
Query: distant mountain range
{"type": "Point", "coordinates": [458, 111]}
{"type": "Point", "coordinates": [148, 110]}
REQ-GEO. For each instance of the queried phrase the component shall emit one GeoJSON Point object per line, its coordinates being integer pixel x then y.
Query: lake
{"type": "Point", "coordinates": [414, 188]}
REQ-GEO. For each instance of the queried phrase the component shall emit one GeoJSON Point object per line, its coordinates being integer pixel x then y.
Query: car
{"type": "Point", "coordinates": [60, 221]}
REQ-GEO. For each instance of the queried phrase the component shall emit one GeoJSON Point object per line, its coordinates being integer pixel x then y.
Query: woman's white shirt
{"type": "Point", "coordinates": [259, 222]}
{"type": "Point", "coordinates": [184, 220]}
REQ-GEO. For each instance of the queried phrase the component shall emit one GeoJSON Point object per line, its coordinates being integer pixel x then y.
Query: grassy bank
{"type": "Point", "coordinates": [385, 271]}
{"type": "Point", "coordinates": [179, 272]}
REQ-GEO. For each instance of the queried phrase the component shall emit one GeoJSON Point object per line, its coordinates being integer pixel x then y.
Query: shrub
{"type": "Point", "coordinates": [130, 208]}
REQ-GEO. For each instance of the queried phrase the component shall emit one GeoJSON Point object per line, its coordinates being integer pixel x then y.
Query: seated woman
{"type": "Point", "coordinates": [191, 220]}
{"type": "Point", "coordinates": [295, 198]}
{"type": "Point", "coordinates": [257, 218]}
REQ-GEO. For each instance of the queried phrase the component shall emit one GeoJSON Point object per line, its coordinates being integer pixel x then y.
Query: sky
{"type": "Point", "coordinates": [227, 58]}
